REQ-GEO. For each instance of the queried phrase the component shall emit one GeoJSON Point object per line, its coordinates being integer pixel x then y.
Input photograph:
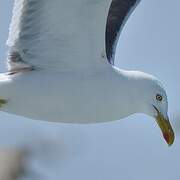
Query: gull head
{"type": "Point", "coordinates": [153, 102]}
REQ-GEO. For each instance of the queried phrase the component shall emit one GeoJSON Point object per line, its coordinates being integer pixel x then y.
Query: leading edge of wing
{"type": "Point", "coordinates": [119, 12]}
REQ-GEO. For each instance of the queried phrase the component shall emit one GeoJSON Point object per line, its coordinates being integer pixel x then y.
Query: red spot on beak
{"type": "Point", "coordinates": [166, 137]}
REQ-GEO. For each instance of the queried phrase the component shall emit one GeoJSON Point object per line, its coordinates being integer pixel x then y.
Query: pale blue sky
{"type": "Point", "coordinates": [128, 149]}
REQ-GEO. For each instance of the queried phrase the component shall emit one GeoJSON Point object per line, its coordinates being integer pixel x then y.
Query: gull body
{"type": "Point", "coordinates": [61, 65]}
{"type": "Point", "coordinates": [79, 97]}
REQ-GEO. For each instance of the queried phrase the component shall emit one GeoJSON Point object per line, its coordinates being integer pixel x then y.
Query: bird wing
{"type": "Point", "coordinates": [119, 12]}
{"type": "Point", "coordinates": [65, 34]}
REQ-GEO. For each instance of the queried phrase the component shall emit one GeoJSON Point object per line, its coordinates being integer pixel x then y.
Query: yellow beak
{"type": "Point", "coordinates": [166, 128]}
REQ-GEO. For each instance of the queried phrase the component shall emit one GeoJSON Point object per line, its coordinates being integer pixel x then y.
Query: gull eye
{"type": "Point", "coordinates": [159, 97]}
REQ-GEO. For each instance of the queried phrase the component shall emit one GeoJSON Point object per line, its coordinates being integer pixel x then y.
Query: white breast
{"type": "Point", "coordinates": [68, 97]}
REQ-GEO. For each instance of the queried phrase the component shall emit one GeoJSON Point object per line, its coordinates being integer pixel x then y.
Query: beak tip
{"type": "Point", "coordinates": [169, 138]}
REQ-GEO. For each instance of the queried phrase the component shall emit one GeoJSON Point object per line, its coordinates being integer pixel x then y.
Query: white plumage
{"type": "Point", "coordinates": [69, 34]}
{"type": "Point", "coordinates": [61, 65]}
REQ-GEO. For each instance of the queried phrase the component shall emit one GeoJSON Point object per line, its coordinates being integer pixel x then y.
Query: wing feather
{"type": "Point", "coordinates": [119, 12]}
{"type": "Point", "coordinates": [65, 34]}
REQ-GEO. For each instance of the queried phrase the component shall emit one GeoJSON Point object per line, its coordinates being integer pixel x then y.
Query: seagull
{"type": "Point", "coordinates": [61, 65]}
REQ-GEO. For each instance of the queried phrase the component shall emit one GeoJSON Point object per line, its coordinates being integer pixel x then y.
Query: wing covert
{"type": "Point", "coordinates": [66, 34]}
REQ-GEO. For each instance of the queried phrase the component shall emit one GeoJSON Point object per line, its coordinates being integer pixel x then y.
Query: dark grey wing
{"type": "Point", "coordinates": [119, 12]}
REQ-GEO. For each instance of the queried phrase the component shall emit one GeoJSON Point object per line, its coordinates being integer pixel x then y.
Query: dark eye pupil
{"type": "Point", "coordinates": [159, 97]}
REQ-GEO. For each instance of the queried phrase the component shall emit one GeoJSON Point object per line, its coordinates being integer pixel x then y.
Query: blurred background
{"type": "Point", "coordinates": [128, 149]}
